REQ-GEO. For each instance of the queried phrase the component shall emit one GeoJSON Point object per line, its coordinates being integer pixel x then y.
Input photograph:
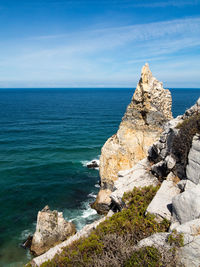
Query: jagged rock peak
{"type": "Point", "coordinates": [151, 103]}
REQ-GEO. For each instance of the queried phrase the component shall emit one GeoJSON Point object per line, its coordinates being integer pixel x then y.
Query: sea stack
{"type": "Point", "coordinates": [141, 126]}
{"type": "Point", "coordinates": [51, 229]}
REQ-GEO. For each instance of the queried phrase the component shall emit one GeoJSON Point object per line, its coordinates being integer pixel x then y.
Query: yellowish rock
{"type": "Point", "coordinates": [141, 126]}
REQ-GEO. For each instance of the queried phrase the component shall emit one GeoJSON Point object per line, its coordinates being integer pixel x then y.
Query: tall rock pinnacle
{"type": "Point", "coordinates": [141, 126]}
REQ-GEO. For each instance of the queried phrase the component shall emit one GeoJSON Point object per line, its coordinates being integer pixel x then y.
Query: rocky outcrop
{"type": "Point", "coordinates": [193, 166]}
{"type": "Point", "coordinates": [138, 176]}
{"type": "Point", "coordinates": [141, 126]}
{"type": "Point", "coordinates": [93, 164]}
{"type": "Point", "coordinates": [161, 205]}
{"type": "Point", "coordinates": [186, 206]}
{"type": "Point", "coordinates": [51, 229]}
{"type": "Point", "coordinates": [176, 149]}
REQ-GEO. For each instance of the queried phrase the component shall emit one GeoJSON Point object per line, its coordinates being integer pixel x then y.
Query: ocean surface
{"type": "Point", "coordinates": [46, 138]}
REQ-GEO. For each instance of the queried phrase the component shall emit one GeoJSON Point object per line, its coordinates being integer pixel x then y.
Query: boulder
{"type": "Point", "coordinates": [51, 228]}
{"type": "Point", "coordinates": [158, 240]}
{"type": "Point", "coordinates": [185, 206]}
{"type": "Point", "coordinates": [93, 164]}
{"type": "Point", "coordinates": [102, 202]}
{"type": "Point", "coordinates": [161, 205]}
{"type": "Point", "coordinates": [193, 167]}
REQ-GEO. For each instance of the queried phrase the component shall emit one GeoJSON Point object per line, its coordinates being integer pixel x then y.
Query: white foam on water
{"type": "Point", "coordinates": [82, 216]}
{"type": "Point", "coordinates": [97, 185]}
{"type": "Point", "coordinates": [92, 195]}
{"type": "Point", "coordinates": [85, 162]}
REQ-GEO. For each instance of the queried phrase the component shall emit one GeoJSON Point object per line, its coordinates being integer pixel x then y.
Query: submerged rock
{"type": "Point", "coordinates": [93, 164]}
{"type": "Point", "coordinates": [51, 229]}
{"type": "Point", "coordinates": [141, 126]}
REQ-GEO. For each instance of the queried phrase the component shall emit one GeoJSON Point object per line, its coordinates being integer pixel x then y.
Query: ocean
{"type": "Point", "coordinates": [46, 138]}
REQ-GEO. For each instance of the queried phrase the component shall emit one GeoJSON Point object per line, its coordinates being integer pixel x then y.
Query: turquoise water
{"type": "Point", "coordinates": [46, 138]}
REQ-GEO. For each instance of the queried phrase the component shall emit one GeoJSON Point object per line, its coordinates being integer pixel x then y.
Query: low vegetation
{"type": "Point", "coordinates": [113, 242]}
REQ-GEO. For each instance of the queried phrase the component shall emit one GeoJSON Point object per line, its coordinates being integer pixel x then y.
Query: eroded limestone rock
{"type": "Point", "coordinates": [161, 205]}
{"type": "Point", "coordinates": [193, 167]}
{"type": "Point", "coordinates": [173, 152]}
{"type": "Point", "coordinates": [185, 206]}
{"type": "Point", "coordinates": [141, 126]}
{"type": "Point", "coordinates": [138, 176]}
{"type": "Point", "coordinates": [51, 229]}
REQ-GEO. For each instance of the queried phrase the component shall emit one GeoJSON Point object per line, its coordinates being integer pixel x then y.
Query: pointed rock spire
{"type": "Point", "coordinates": [141, 126]}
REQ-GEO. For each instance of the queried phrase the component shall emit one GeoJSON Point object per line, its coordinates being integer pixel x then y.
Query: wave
{"type": "Point", "coordinates": [86, 162]}
{"type": "Point", "coordinates": [92, 195]}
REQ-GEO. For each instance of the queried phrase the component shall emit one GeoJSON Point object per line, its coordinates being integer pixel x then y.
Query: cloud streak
{"type": "Point", "coordinates": [110, 55]}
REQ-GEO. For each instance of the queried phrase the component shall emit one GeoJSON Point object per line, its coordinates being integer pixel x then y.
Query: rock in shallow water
{"type": "Point", "coordinates": [93, 164]}
{"type": "Point", "coordinates": [51, 229]}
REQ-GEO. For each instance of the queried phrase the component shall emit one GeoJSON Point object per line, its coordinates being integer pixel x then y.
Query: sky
{"type": "Point", "coordinates": [104, 43]}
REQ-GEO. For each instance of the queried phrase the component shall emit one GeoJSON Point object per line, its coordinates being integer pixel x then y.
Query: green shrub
{"type": "Point", "coordinates": [175, 239]}
{"type": "Point", "coordinates": [145, 257]}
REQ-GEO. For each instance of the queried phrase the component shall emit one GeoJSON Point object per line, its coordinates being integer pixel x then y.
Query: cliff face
{"type": "Point", "coordinates": [141, 126]}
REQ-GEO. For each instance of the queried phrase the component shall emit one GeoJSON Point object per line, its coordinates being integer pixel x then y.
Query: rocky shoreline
{"type": "Point", "coordinates": [150, 148]}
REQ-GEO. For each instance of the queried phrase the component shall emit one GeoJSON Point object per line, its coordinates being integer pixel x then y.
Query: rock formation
{"type": "Point", "coordinates": [141, 126]}
{"type": "Point", "coordinates": [51, 229]}
{"type": "Point", "coordinates": [173, 161]}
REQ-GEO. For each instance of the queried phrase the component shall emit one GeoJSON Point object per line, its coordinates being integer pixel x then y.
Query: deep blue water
{"type": "Point", "coordinates": [46, 136]}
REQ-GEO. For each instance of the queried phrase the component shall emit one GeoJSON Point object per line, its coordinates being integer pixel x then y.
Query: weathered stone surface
{"type": "Point", "coordinates": [157, 240]}
{"type": "Point", "coordinates": [51, 228]}
{"type": "Point", "coordinates": [185, 206]}
{"type": "Point", "coordinates": [193, 167]}
{"type": "Point", "coordinates": [160, 169]}
{"type": "Point", "coordinates": [161, 205]}
{"type": "Point", "coordinates": [170, 162]}
{"type": "Point", "coordinates": [164, 154]}
{"type": "Point", "coordinates": [141, 126]}
{"type": "Point", "coordinates": [102, 202]}
{"type": "Point", "coordinates": [138, 176]}
{"type": "Point", "coordinates": [185, 185]}
{"type": "Point", "coordinates": [189, 254]}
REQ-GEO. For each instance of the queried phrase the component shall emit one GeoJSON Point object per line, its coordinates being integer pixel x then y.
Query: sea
{"type": "Point", "coordinates": [47, 136]}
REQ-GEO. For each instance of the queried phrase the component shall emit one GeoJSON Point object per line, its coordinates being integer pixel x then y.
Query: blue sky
{"type": "Point", "coordinates": [104, 43]}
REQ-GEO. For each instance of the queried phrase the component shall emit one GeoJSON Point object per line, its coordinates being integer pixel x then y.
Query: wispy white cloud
{"type": "Point", "coordinates": [102, 56]}
{"type": "Point", "coordinates": [163, 4]}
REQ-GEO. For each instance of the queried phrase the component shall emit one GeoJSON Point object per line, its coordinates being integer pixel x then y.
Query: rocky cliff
{"type": "Point", "coordinates": [172, 168]}
{"type": "Point", "coordinates": [141, 126]}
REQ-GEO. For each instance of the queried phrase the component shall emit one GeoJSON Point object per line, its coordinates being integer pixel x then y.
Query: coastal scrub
{"type": "Point", "coordinates": [114, 241]}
